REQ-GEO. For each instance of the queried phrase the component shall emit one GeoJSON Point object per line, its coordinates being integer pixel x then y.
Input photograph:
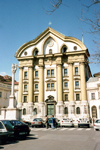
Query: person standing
{"type": "Point", "coordinates": [46, 121]}
{"type": "Point", "coordinates": [53, 122]}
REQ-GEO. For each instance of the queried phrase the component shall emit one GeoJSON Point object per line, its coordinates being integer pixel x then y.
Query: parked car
{"type": "Point", "coordinates": [3, 133]}
{"type": "Point", "coordinates": [37, 122]}
{"type": "Point", "coordinates": [16, 128]}
{"type": "Point", "coordinates": [97, 124]}
{"type": "Point", "coordinates": [67, 122]}
{"type": "Point", "coordinates": [83, 122]}
{"type": "Point", "coordinates": [27, 122]}
{"type": "Point", "coordinates": [57, 122]}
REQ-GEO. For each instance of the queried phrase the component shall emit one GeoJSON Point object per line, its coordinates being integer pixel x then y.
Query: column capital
{"type": "Point", "coordinates": [59, 60]}
{"type": "Point", "coordinates": [59, 64]}
{"type": "Point", "coordinates": [30, 66]}
{"type": "Point", "coordinates": [41, 65]}
{"type": "Point", "coordinates": [82, 62]}
{"type": "Point", "coordinates": [20, 67]}
{"type": "Point", "coordinates": [70, 63]}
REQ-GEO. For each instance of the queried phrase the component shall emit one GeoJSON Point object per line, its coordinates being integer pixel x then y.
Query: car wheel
{"type": "Point", "coordinates": [97, 129]}
{"type": "Point", "coordinates": [3, 140]}
{"type": "Point", "coordinates": [78, 126]}
{"type": "Point", "coordinates": [88, 126]}
{"type": "Point", "coordinates": [16, 134]}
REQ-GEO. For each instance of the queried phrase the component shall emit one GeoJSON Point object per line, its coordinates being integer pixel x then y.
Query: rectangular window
{"type": "Point", "coordinates": [52, 85]}
{"type": "Point", "coordinates": [36, 98]}
{"type": "Point", "coordinates": [65, 72]}
{"type": "Point", "coordinates": [66, 85]}
{"type": "Point", "coordinates": [25, 87]}
{"type": "Point", "coordinates": [25, 99]}
{"type": "Point", "coordinates": [48, 73]}
{"type": "Point", "coordinates": [25, 75]}
{"type": "Point", "coordinates": [0, 94]}
{"type": "Point", "coordinates": [52, 73]}
{"type": "Point", "coordinates": [66, 97]}
{"type": "Point", "coordinates": [36, 86]}
{"type": "Point", "coordinates": [76, 70]}
{"type": "Point", "coordinates": [77, 97]}
{"type": "Point", "coordinates": [77, 84]}
{"type": "Point", "coordinates": [92, 95]}
{"type": "Point", "coordinates": [48, 86]}
{"type": "Point", "coordinates": [36, 74]}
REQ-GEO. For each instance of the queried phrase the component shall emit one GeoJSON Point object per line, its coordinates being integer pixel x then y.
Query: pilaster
{"type": "Point", "coordinates": [30, 91]}
{"type": "Point", "coordinates": [71, 82]}
{"type": "Point", "coordinates": [83, 82]}
{"type": "Point", "coordinates": [41, 81]}
{"type": "Point", "coordinates": [59, 82]}
{"type": "Point", "coordinates": [20, 92]}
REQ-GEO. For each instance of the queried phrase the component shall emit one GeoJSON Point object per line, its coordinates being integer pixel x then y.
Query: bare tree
{"type": "Point", "coordinates": [94, 28]}
{"type": "Point", "coordinates": [94, 23]}
{"type": "Point", "coordinates": [55, 5]}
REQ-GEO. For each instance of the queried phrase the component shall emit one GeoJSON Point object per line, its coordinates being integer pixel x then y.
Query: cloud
{"type": "Point", "coordinates": [3, 73]}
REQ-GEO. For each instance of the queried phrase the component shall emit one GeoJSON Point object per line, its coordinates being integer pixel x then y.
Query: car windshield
{"type": "Point", "coordinates": [16, 122]}
{"type": "Point", "coordinates": [83, 119]}
{"type": "Point", "coordinates": [67, 119]}
{"type": "Point", "coordinates": [97, 121]}
{"type": "Point", "coordinates": [49, 120]}
{"type": "Point", "coordinates": [37, 119]}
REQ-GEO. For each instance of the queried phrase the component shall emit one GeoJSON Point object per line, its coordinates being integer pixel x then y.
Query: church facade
{"type": "Point", "coordinates": [53, 70]}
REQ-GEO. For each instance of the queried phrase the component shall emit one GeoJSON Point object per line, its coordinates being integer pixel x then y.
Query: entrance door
{"type": "Point", "coordinates": [50, 109]}
{"type": "Point", "coordinates": [94, 112]}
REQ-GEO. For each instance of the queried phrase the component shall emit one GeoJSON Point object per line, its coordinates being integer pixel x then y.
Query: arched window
{"type": "Point", "coordinates": [66, 110]}
{"type": "Point", "coordinates": [35, 52]}
{"type": "Point", "coordinates": [35, 111]}
{"type": "Point", "coordinates": [77, 110]}
{"type": "Point", "coordinates": [50, 51]}
{"type": "Point", "coordinates": [24, 111]}
{"type": "Point", "coordinates": [64, 49]}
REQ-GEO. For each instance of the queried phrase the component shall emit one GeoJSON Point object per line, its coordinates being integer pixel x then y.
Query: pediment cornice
{"type": "Point", "coordinates": [43, 35]}
{"type": "Point", "coordinates": [50, 80]}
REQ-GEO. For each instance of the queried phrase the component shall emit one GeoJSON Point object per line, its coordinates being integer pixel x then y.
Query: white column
{"type": "Point", "coordinates": [14, 68]}
{"type": "Point", "coordinates": [12, 98]}
{"type": "Point", "coordinates": [20, 87]}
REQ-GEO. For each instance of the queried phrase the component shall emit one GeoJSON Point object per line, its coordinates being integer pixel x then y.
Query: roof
{"type": "Point", "coordinates": [96, 74]}
{"type": "Point", "coordinates": [7, 80]}
{"type": "Point", "coordinates": [93, 79]}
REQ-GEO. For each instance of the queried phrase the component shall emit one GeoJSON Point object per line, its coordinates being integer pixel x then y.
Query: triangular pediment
{"type": "Point", "coordinates": [50, 80]}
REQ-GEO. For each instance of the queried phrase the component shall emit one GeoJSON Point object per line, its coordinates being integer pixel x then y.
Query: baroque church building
{"type": "Point", "coordinates": [53, 70]}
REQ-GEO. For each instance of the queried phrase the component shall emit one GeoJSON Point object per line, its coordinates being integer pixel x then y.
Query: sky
{"type": "Point", "coordinates": [23, 20]}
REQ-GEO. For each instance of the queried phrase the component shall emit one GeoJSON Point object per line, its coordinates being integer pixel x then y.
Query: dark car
{"type": "Point", "coordinates": [16, 128]}
{"type": "Point", "coordinates": [57, 123]}
{"type": "Point", "coordinates": [3, 133]}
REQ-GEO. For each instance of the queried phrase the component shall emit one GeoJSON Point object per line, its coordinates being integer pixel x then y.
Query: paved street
{"type": "Point", "coordinates": [57, 139]}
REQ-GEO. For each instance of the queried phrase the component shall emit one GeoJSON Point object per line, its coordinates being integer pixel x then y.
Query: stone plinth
{"type": "Point", "coordinates": [11, 113]}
